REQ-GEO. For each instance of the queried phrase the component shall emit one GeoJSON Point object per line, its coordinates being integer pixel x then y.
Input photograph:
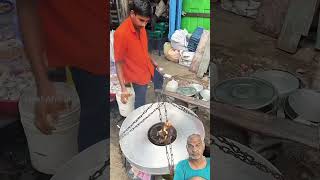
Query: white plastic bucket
{"type": "Point", "coordinates": [49, 152]}
{"type": "Point", "coordinates": [127, 108]}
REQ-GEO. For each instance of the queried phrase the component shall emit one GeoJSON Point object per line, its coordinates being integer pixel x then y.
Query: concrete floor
{"type": "Point", "coordinates": [14, 156]}
{"type": "Point", "coordinates": [239, 51]}
{"type": "Point", "coordinates": [118, 171]}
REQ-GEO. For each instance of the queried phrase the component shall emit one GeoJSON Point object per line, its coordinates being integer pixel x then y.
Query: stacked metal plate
{"type": "Point", "coordinates": [283, 81]}
{"type": "Point", "coordinates": [195, 39]}
{"type": "Point", "coordinates": [304, 106]}
{"type": "Point", "coordinates": [247, 92]}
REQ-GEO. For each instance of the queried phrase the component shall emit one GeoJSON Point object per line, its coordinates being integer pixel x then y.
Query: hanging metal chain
{"type": "Point", "coordinates": [160, 116]}
{"type": "Point", "coordinates": [232, 149]}
{"type": "Point", "coordinates": [169, 156]}
{"type": "Point", "coordinates": [184, 109]}
{"type": "Point", "coordinates": [100, 171]}
{"type": "Point", "coordinates": [170, 159]}
{"type": "Point", "coordinates": [133, 126]}
{"type": "Point", "coordinates": [127, 129]}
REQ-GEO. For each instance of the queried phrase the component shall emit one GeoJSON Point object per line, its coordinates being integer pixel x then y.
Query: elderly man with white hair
{"type": "Point", "coordinates": [196, 166]}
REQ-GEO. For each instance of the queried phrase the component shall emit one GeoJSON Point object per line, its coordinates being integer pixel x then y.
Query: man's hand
{"type": "Point", "coordinates": [48, 107]}
{"type": "Point", "coordinates": [125, 96]}
{"type": "Point", "coordinates": [154, 62]}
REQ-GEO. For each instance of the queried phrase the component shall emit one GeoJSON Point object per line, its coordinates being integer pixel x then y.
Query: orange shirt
{"type": "Point", "coordinates": [133, 52]}
{"type": "Point", "coordinates": [76, 34]}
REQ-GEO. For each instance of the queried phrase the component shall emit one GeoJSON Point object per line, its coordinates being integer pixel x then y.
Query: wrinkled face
{"type": "Point", "coordinates": [139, 21]}
{"type": "Point", "coordinates": [195, 147]}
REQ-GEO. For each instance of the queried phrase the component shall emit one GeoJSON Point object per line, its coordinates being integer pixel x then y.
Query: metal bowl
{"type": "Point", "coordinates": [246, 92]}
{"type": "Point", "coordinates": [198, 87]}
{"type": "Point", "coordinates": [285, 82]}
{"type": "Point", "coordinates": [305, 104]}
{"type": "Point", "coordinates": [205, 94]}
{"type": "Point", "coordinates": [187, 91]}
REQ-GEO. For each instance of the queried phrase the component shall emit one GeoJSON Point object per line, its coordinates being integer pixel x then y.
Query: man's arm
{"type": "Point", "coordinates": [153, 61]}
{"type": "Point", "coordinates": [120, 46]}
{"type": "Point", "coordinates": [29, 24]}
{"type": "Point", "coordinates": [124, 93]}
{"type": "Point", "coordinates": [120, 74]}
{"type": "Point", "coordinates": [32, 35]}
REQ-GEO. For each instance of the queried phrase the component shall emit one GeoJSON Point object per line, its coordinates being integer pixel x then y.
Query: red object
{"type": "Point", "coordinates": [76, 34]}
{"type": "Point", "coordinates": [133, 52]}
{"type": "Point", "coordinates": [112, 97]}
{"type": "Point", "coordinates": [9, 108]}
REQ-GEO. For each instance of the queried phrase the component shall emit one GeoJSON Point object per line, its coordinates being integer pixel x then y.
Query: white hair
{"type": "Point", "coordinates": [195, 135]}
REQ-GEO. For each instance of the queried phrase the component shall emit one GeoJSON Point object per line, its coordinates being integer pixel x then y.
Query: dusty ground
{"type": "Point", "coordinates": [239, 51]}
{"type": "Point", "coordinates": [118, 171]}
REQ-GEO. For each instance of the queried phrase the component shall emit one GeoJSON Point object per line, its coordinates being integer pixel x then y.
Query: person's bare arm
{"type": "Point", "coordinates": [32, 36]}
{"type": "Point", "coordinates": [153, 61]}
{"type": "Point", "coordinates": [124, 93]}
{"type": "Point", "coordinates": [120, 75]}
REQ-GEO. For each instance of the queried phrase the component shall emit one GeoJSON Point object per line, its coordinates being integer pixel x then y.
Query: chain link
{"type": "Point", "coordinates": [100, 171]}
{"type": "Point", "coordinates": [160, 116]}
{"type": "Point", "coordinates": [169, 156]}
{"type": "Point", "coordinates": [172, 161]}
{"type": "Point", "coordinates": [230, 148]}
{"type": "Point", "coordinates": [184, 109]}
{"type": "Point", "coordinates": [128, 130]}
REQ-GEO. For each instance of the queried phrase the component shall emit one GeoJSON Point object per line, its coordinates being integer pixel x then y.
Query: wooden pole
{"type": "Point", "coordinates": [266, 124]}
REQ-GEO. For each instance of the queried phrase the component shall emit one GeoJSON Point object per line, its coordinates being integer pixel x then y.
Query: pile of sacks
{"type": "Point", "coordinates": [177, 49]}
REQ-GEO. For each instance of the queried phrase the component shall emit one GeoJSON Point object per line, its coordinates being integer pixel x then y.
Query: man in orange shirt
{"type": "Point", "coordinates": [133, 63]}
{"type": "Point", "coordinates": [60, 33]}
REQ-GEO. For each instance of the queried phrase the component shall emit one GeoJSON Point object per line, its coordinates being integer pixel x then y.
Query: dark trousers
{"type": "Point", "coordinates": [141, 90]}
{"type": "Point", "coordinates": [93, 93]}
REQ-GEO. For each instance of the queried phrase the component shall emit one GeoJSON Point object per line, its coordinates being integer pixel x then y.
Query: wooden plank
{"type": "Point", "coordinates": [214, 78]}
{"type": "Point", "coordinates": [297, 22]}
{"type": "Point", "coordinates": [205, 37]}
{"type": "Point", "coordinates": [205, 61]}
{"type": "Point", "coordinates": [191, 100]}
{"type": "Point", "coordinates": [271, 17]}
{"type": "Point", "coordinates": [266, 124]}
{"type": "Point", "coordinates": [289, 40]}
